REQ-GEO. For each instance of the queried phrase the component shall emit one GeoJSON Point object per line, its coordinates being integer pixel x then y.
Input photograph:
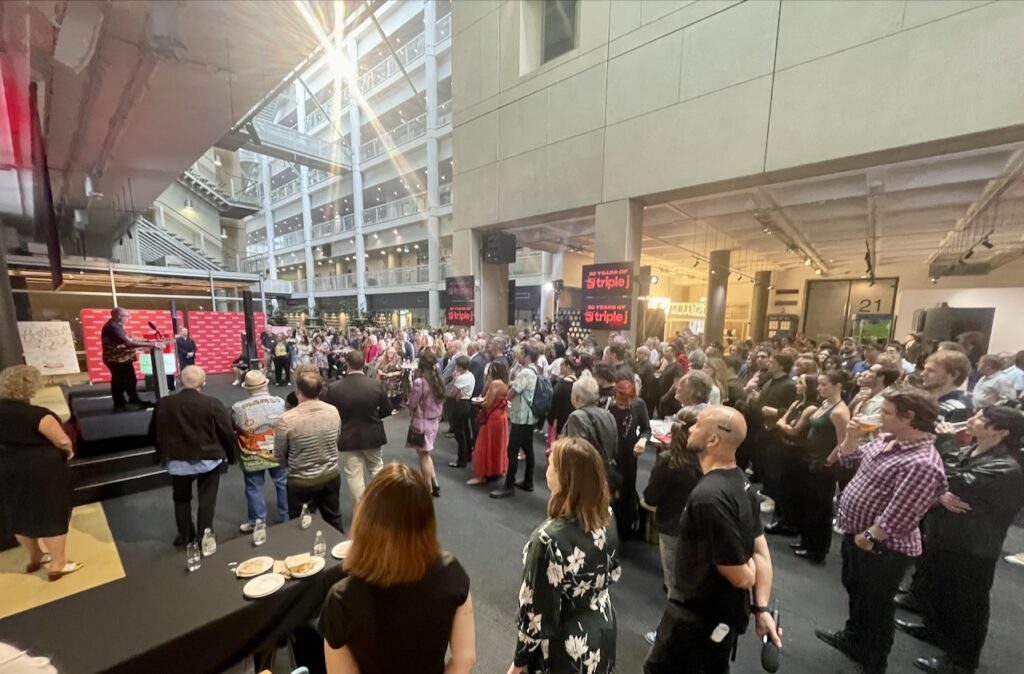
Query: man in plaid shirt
{"type": "Point", "coordinates": [899, 477]}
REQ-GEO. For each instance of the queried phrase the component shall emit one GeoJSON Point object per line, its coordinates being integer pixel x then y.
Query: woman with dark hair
{"type": "Point", "coordinates": [826, 431]}
{"type": "Point", "coordinates": [792, 428]}
{"type": "Point", "coordinates": [426, 395]}
{"type": "Point", "coordinates": [561, 396]}
{"type": "Point", "coordinates": [634, 430]}
{"type": "Point", "coordinates": [566, 620]}
{"type": "Point", "coordinates": [400, 584]}
{"type": "Point", "coordinates": [965, 539]}
{"type": "Point", "coordinates": [490, 454]}
{"type": "Point", "coordinates": [459, 409]}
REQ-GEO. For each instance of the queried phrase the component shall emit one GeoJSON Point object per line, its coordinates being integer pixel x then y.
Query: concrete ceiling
{"type": "Point", "coordinates": [136, 116]}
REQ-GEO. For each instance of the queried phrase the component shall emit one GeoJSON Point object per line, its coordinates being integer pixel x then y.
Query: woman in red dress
{"type": "Point", "coordinates": [490, 453]}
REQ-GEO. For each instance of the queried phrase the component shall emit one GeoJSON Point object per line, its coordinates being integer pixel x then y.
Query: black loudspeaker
{"type": "Point", "coordinates": [326, 249]}
{"type": "Point", "coordinates": [249, 341]}
{"type": "Point", "coordinates": [498, 247]}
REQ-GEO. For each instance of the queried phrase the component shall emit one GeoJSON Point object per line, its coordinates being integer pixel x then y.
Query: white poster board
{"type": "Point", "coordinates": [49, 346]}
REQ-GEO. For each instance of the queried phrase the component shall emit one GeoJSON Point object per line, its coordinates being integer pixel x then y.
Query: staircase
{"type": "Point", "coordinates": [236, 198]}
{"type": "Point", "coordinates": [149, 244]}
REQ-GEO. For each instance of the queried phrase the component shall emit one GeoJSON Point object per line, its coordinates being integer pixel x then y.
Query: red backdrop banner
{"type": "Point", "coordinates": [218, 337]}
{"type": "Point", "coordinates": [92, 326]}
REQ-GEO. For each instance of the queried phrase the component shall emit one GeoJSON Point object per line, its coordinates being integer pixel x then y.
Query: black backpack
{"type": "Point", "coordinates": [542, 393]}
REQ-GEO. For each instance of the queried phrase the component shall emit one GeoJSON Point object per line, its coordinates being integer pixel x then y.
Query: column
{"type": "Point", "coordinates": [307, 206]}
{"type": "Point", "coordinates": [718, 287]}
{"type": "Point", "coordinates": [618, 236]}
{"type": "Point", "coordinates": [491, 305]}
{"type": "Point", "coordinates": [10, 340]}
{"type": "Point", "coordinates": [433, 201]}
{"type": "Point", "coordinates": [547, 291]}
{"type": "Point", "coordinates": [268, 217]}
{"type": "Point", "coordinates": [357, 185]}
{"type": "Point", "coordinates": [759, 305]}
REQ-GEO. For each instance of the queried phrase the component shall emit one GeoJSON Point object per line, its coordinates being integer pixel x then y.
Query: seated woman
{"type": "Point", "coordinates": [405, 601]}
{"type": "Point", "coordinates": [34, 479]}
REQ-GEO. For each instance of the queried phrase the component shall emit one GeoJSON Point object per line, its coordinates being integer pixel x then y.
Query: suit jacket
{"type": "Point", "coordinates": [191, 426]}
{"type": "Point", "coordinates": [477, 365]}
{"type": "Point", "coordinates": [185, 346]}
{"type": "Point", "coordinates": [362, 402]}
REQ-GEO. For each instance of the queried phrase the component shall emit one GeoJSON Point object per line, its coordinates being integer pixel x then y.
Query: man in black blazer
{"type": "Point", "coordinates": [194, 438]}
{"type": "Point", "coordinates": [362, 403]}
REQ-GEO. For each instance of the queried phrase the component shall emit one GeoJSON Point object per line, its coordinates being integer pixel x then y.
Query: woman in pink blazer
{"type": "Point", "coordinates": [425, 399]}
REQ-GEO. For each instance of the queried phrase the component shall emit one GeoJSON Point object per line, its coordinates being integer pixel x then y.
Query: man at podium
{"type": "Point", "coordinates": [119, 354]}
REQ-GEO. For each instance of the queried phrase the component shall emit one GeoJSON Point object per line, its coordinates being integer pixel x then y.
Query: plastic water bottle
{"type": "Point", "coordinates": [319, 546]}
{"type": "Point", "coordinates": [306, 518]}
{"type": "Point", "coordinates": [259, 532]}
{"type": "Point", "coordinates": [193, 558]}
{"type": "Point", "coordinates": [209, 543]}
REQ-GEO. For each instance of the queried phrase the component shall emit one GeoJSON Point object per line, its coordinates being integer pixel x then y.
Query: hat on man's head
{"type": "Point", "coordinates": [254, 379]}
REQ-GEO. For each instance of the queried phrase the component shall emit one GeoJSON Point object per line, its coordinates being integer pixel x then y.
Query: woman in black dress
{"type": "Point", "coordinates": [634, 430]}
{"type": "Point", "coordinates": [34, 478]}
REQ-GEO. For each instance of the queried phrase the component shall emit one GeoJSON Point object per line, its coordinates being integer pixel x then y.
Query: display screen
{"type": "Point", "coordinates": [610, 279]}
{"type": "Point", "coordinates": [604, 315]}
{"type": "Point", "coordinates": [460, 315]}
{"type": "Point", "coordinates": [459, 290]}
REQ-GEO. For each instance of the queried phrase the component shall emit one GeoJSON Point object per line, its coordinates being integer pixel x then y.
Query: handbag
{"type": "Point", "coordinates": [415, 437]}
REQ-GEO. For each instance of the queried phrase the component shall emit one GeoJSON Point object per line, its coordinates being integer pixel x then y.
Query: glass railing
{"type": "Point", "coordinates": [334, 282]}
{"type": "Point", "coordinates": [393, 210]}
{"type": "Point", "coordinates": [398, 276]}
{"type": "Point", "coordinates": [399, 135]}
{"type": "Point", "coordinates": [281, 136]}
{"type": "Point", "coordinates": [257, 248]}
{"type": "Point", "coordinates": [444, 113]}
{"type": "Point", "coordinates": [334, 227]}
{"type": "Point", "coordinates": [299, 286]}
{"type": "Point", "coordinates": [444, 27]}
{"type": "Point", "coordinates": [388, 67]}
{"type": "Point", "coordinates": [317, 176]}
{"type": "Point", "coordinates": [526, 264]}
{"type": "Point", "coordinates": [335, 109]}
{"type": "Point", "coordinates": [296, 238]}
{"type": "Point", "coordinates": [228, 187]}
{"type": "Point", "coordinates": [444, 194]}
{"type": "Point", "coordinates": [280, 286]}
{"type": "Point", "coordinates": [284, 191]}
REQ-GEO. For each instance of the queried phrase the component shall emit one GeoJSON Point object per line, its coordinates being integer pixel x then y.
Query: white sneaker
{"type": "Point", "coordinates": [767, 505]}
{"type": "Point", "coordinates": [1017, 559]}
{"type": "Point", "coordinates": [245, 528]}
{"type": "Point", "coordinates": [235, 383]}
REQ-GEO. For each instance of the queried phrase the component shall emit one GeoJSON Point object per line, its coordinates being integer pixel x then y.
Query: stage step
{"type": "Point", "coordinates": [95, 468]}
{"type": "Point", "coordinates": [116, 474]}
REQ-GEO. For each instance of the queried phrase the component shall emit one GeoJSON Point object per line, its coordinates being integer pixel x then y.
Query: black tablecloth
{"type": "Point", "coordinates": [169, 620]}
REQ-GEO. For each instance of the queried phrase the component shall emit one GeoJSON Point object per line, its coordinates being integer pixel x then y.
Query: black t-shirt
{"type": "Point", "coordinates": [403, 628]}
{"type": "Point", "coordinates": [668, 489]}
{"type": "Point", "coordinates": [718, 528]}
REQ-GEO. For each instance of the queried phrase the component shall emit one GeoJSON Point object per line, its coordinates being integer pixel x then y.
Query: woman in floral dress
{"type": "Point", "coordinates": [566, 621]}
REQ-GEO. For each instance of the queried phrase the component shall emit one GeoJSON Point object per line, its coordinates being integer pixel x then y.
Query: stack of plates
{"type": "Point", "coordinates": [341, 549]}
{"type": "Point", "coordinates": [263, 586]}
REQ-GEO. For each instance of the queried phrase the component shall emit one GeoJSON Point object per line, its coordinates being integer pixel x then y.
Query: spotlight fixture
{"type": "Point", "coordinates": [807, 262]}
{"type": "Point", "coordinates": [968, 255]}
{"type": "Point", "coordinates": [934, 279]}
{"type": "Point", "coordinates": [654, 280]}
{"type": "Point", "coordinates": [696, 262]}
{"type": "Point", "coordinates": [818, 272]}
{"type": "Point", "coordinates": [790, 249]}
{"type": "Point", "coordinates": [189, 204]}
{"type": "Point", "coordinates": [714, 271]}
{"type": "Point", "coordinates": [988, 244]}
{"type": "Point", "coordinates": [771, 287]}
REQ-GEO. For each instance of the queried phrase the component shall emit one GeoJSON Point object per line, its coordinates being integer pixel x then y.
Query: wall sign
{"type": "Point", "coordinates": [460, 315]}
{"type": "Point", "coordinates": [602, 314]}
{"type": "Point", "coordinates": [609, 279]}
{"type": "Point", "coordinates": [458, 290]}
{"type": "Point", "coordinates": [49, 346]}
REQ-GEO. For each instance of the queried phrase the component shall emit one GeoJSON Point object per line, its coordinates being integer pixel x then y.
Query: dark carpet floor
{"type": "Point", "coordinates": [488, 537]}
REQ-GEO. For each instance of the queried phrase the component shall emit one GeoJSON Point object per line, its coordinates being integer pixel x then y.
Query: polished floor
{"type": "Point", "coordinates": [488, 537]}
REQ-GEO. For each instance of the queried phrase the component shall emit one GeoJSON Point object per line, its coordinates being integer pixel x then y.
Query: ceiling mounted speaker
{"type": "Point", "coordinates": [79, 33]}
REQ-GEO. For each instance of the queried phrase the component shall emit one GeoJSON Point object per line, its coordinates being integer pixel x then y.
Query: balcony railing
{"type": "Point", "coordinates": [277, 135]}
{"type": "Point", "coordinates": [444, 27]}
{"type": "Point", "coordinates": [388, 67]}
{"type": "Point", "coordinates": [444, 194]}
{"type": "Point", "coordinates": [284, 191]}
{"type": "Point", "coordinates": [227, 187]}
{"type": "Point", "coordinates": [334, 227]}
{"type": "Point", "coordinates": [399, 135]}
{"type": "Point", "coordinates": [295, 238]}
{"type": "Point", "coordinates": [392, 210]}
{"type": "Point", "coordinates": [334, 109]}
{"type": "Point", "coordinates": [398, 276]}
{"type": "Point", "coordinates": [257, 248]}
{"type": "Point", "coordinates": [317, 176]}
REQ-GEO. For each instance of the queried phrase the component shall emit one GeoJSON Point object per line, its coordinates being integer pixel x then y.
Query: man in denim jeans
{"type": "Point", "coordinates": [254, 420]}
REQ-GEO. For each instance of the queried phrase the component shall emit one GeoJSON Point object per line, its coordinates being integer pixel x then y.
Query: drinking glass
{"type": "Point", "coordinates": [193, 556]}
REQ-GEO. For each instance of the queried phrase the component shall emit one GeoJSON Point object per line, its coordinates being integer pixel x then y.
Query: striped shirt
{"type": "Point", "coordinates": [306, 441]}
{"type": "Point", "coordinates": [954, 407]}
{"type": "Point", "coordinates": [893, 489]}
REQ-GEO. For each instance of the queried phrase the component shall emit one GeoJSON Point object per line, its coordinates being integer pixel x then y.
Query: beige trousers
{"type": "Point", "coordinates": [354, 462]}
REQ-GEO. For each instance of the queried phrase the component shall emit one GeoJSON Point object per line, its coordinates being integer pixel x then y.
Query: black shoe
{"type": "Point", "coordinates": [456, 464]}
{"type": "Point", "coordinates": [804, 553]}
{"type": "Point", "coordinates": [504, 492]}
{"type": "Point", "coordinates": [780, 529]}
{"type": "Point", "coordinates": [797, 546]}
{"type": "Point", "coordinates": [524, 486]}
{"type": "Point", "coordinates": [941, 666]}
{"type": "Point", "coordinates": [909, 602]}
{"type": "Point", "coordinates": [435, 491]}
{"type": "Point", "coordinates": [919, 631]}
{"type": "Point", "coordinates": [839, 641]}
{"type": "Point", "coordinates": [142, 404]}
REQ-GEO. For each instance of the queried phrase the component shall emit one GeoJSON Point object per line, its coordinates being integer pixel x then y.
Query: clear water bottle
{"type": "Point", "coordinates": [306, 517]}
{"type": "Point", "coordinates": [209, 543]}
{"type": "Point", "coordinates": [193, 558]}
{"type": "Point", "coordinates": [319, 546]}
{"type": "Point", "coordinates": [259, 532]}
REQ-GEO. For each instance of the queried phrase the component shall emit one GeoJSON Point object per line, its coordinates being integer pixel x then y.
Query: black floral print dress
{"type": "Point", "coordinates": [566, 621]}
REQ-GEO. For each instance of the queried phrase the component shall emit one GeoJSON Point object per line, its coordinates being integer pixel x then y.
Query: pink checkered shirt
{"type": "Point", "coordinates": [892, 489]}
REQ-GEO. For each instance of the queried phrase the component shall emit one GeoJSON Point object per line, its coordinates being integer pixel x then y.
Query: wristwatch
{"type": "Point", "coordinates": [867, 536]}
{"type": "Point", "coordinates": [755, 609]}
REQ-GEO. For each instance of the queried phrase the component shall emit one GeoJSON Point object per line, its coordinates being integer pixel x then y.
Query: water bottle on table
{"type": "Point", "coordinates": [193, 558]}
{"type": "Point", "coordinates": [319, 546]}
{"type": "Point", "coordinates": [209, 543]}
{"type": "Point", "coordinates": [305, 518]}
{"type": "Point", "coordinates": [259, 533]}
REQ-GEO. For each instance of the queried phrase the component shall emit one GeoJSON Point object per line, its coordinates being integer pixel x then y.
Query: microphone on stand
{"type": "Point", "coordinates": [769, 651]}
{"type": "Point", "coordinates": [155, 329]}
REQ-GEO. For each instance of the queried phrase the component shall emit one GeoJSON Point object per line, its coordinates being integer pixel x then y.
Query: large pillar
{"type": "Point", "coordinates": [268, 217]}
{"type": "Point", "coordinates": [357, 186]}
{"type": "Point", "coordinates": [433, 200]}
{"type": "Point", "coordinates": [307, 206]}
{"type": "Point", "coordinates": [547, 291]}
{"type": "Point", "coordinates": [618, 237]}
{"type": "Point", "coordinates": [491, 305]}
{"type": "Point", "coordinates": [759, 305]}
{"type": "Point", "coordinates": [718, 287]}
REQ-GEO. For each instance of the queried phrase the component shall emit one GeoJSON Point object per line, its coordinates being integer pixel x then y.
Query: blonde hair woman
{"type": "Point", "coordinates": [566, 620]}
{"type": "Point", "coordinates": [34, 479]}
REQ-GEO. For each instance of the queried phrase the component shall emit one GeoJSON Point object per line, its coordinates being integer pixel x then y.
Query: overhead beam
{"type": "Point", "coordinates": [765, 202]}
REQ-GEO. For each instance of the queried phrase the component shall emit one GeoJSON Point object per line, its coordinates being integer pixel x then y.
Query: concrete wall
{"type": "Point", "coordinates": [665, 95]}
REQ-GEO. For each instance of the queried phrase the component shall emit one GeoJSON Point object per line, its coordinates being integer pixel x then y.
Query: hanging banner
{"type": "Point", "coordinates": [605, 314]}
{"type": "Point", "coordinates": [609, 279]}
{"type": "Point", "coordinates": [460, 315]}
{"type": "Point", "coordinates": [49, 346]}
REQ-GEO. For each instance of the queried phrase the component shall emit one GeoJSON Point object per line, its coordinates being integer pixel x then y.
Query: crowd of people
{"type": "Point", "coordinates": [909, 451]}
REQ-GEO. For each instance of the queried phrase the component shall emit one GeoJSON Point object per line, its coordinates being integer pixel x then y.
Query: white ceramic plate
{"type": "Point", "coordinates": [263, 586]}
{"type": "Point", "coordinates": [477, 400]}
{"type": "Point", "coordinates": [341, 549]}
{"type": "Point", "coordinates": [318, 565]}
{"type": "Point", "coordinates": [265, 564]}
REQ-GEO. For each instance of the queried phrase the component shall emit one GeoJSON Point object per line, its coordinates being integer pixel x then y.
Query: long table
{"type": "Point", "coordinates": [169, 620]}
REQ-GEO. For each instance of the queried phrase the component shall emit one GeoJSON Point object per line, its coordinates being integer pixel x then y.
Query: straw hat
{"type": "Point", "coordinates": [254, 379]}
